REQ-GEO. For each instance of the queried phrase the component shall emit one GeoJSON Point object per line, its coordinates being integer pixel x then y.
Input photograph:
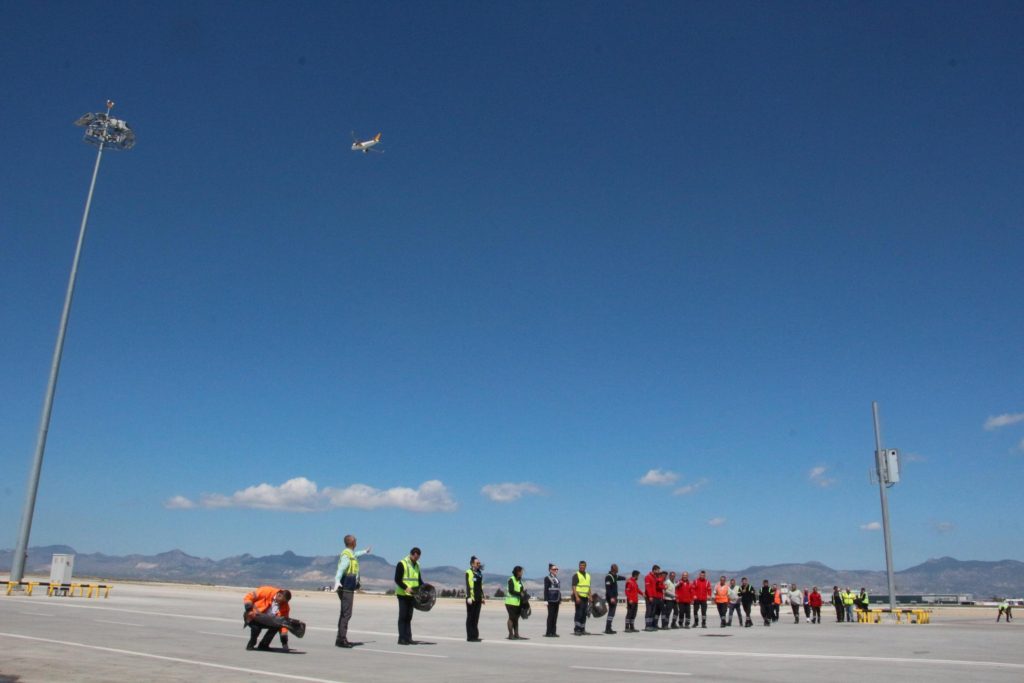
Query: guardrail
{"type": "Point", "coordinates": [82, 590]}
{"type": "Point", "coordinates": [903, 615]}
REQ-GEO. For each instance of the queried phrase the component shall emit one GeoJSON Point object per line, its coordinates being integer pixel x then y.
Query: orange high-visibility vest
{"type": "Point", "coordinates": [721, 593]}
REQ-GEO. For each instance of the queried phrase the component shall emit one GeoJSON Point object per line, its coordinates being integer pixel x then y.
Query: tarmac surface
{"type": "Point", "coordinates": [161, 632]}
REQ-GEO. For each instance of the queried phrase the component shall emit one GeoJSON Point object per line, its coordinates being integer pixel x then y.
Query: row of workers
{"type": "Point", "coordinates": [667, 603]}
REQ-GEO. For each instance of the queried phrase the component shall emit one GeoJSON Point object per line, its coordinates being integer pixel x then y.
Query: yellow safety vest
{"type": "Point", "coordinates": [583, 585]}
{"type": "Point", "coordinates": [350, 579]}
{"type": "Point", "coordinates": [514, 599]}
{"type": "Point", "coordinates": [411, 576]}
{"type": "Point", "coordinates": [353, 562]}
{"type": "Point", "coordinates": [847, 598]}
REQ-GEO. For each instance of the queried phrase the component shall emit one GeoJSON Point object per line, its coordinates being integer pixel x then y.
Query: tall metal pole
{"type": "Point", "coordinates": [880, 469]}
{"type": "Point", "coordinates": [100, 130]}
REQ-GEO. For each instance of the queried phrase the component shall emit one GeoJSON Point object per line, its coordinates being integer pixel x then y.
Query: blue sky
{"type": "Point", "coordinates": [622, 287]}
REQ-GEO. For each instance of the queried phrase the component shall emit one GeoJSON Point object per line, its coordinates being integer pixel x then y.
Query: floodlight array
{"type": "Point", "coordinates": [103, 129]}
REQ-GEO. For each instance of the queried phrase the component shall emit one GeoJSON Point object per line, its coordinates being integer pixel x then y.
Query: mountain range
{"type": "Point", "coordinates": [946, 575]}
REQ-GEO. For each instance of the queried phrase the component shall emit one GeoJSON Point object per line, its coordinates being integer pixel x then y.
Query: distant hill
{"type": "Point", "coordinates": [942, 575]}
{"type": "Point", "coordinates": [286, 569]}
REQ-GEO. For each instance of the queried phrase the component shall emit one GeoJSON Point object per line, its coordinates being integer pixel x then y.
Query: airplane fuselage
{"type": "Point", "coordinates": [365, 145]}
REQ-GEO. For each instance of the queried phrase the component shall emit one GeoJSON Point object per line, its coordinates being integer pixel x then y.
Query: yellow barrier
{"type": "Point", "coordinates": [869, 616]}
{"type": "Point", "coordinates": [913, 616]}
{"type": "Point", "coordinates": [96, 588]}
{"type": "Point", "coordinates": [84, 590]}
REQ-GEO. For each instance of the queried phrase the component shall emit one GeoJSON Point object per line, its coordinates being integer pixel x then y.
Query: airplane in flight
{"type": "Point", "coordinates": [365, 146]}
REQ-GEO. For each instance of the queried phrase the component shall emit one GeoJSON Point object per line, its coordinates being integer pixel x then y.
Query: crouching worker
{"type": "Point", "coordinates": [267, 608]}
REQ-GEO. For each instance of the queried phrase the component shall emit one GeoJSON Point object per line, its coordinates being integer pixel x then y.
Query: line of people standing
{"type": "Point", "coordinates": [668, 603]}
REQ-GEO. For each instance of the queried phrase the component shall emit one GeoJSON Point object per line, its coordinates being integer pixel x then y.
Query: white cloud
{"type": "Point", "coordinates": [508, 491]}
{"type": "Point", "coordinates": [298, 495]}
{"type": "Point", "coordinates": [716, 521]}
{"type": "Point", "coordinates": [871, 526]}
{"type": "Point", "coordinates": [997, 421]}
{"type": "Point", "coordinates": [179, 503]}
{"type": "Point", "coordinates": [943, 527]}
{"type": "Point", "coordinates": [431, 496]}
{"type": "Point", "coordinates": [302, 495]}
{"type": "Point", "coordinates": [818, 478]}
{"type": "Point", "coordinates": [687, 489]}
{"type": "Point", "coordinates": [659, 478]}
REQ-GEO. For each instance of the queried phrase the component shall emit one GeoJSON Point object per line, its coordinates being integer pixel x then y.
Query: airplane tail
{"type": "Point", "coordinates": [377, 138]}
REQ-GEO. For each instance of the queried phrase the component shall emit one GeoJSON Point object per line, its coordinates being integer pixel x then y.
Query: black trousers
{"type": "Point", "coordinates": [553, 618]}
{"type": "Point", "coordinates": [631, 609]}
{"type": "Point", "coordinates": [767, 612]}
{"type": "Point", "coordinates": [684, 613]}
{"type": "Point", "coordinates": [272, 623]}
{"type": "Point", "coordinates": [254, 633]}
{"type": "Point", "coordinates": [669, 612]}
{"type": "Point", "coordinates": [345, 598]}
{"type": "Point", "coordinates": [405, 610]}
{"type": "Point", "coordinates": [746, 608]}
{"type": "Point", "coordinates": [700, 606]}
{"type": "Point", "coordinates": [839, 612]}
{"type": "Point", "coordinates": [580, 619]}
{"type": "Point", "coordinates": [611, 611]}
{"type": "Point", "coordinates": [513, 619]}
{"type": "Point", "coordinates": [650, 612]}
{"type": "Point", "coordinates": [473, 619]}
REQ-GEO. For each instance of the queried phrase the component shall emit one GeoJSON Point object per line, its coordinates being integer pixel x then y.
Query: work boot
{"type": "Point", "coordinates": [608, 630]}
{"type": "Point", "coordinates": [703, 624]}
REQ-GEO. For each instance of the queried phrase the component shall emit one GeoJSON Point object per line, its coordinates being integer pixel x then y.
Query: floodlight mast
{"type": "Point", "coordinates": [106, 133]}
{"type": "Point", "coordinates": [882, 470]}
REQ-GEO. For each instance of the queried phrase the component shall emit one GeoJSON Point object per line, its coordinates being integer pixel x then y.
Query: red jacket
{"type": "Point", "coordinates": [701, 590]}
{"type": "Point", "coordinates": [815, 599]}
{"type": "Point", "coordinates": [684, 592]}
{"type": "Point", "coordinates": [632, 590]}
{"type": "Point", "coordinates": [654, 587]}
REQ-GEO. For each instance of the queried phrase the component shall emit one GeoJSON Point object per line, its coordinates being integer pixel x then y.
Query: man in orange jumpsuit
{"type": "Point", "coordinates": [267, 608]}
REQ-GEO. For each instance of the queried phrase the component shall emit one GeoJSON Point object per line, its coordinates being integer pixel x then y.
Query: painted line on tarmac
{"type": "Point", "coordinates": [631, 671]}
{"type": "Point", "coordinates": [222, 635]}
{"type": "Point", "coordinates": [119, 623]}
{"type": "Point", "coordinates": [180, 660]}
{"type": "Point", "coordinates": [36, 614]}
{"type": "Point", "coordinates": [149, 613]}
{"type": "Point", "coordinates": [781, 655]}
{"type": "Point", "coordinates": [612, 648]}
